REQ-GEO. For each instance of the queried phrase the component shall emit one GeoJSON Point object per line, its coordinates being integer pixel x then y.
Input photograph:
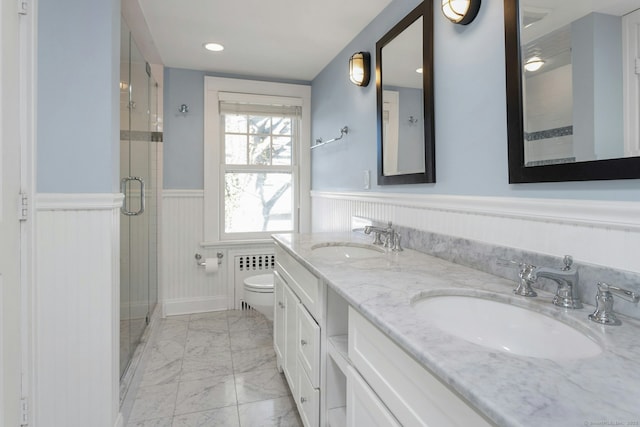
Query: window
{"type": "Point", "coordinates": [253, 152]}
{"type": "Point", "coordinates": [258, 166]}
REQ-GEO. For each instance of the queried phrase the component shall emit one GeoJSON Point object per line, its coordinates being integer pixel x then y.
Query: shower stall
{"type": "Point", "coordinates": [140, 155]}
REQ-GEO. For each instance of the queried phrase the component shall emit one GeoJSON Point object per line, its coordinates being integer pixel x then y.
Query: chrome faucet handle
{"type": "Point", "coordinates": [377, 240]}
{"type": "Point", "coordinates": [568, 262]}
{"type": "Point", "coordinates": [388, 233]}
{"type": "Point", "coordinates": [604, 303]}
{"type": "Point", "coordinates": [396, 243]}
{"type": "Point", "coordinates": [523, 288]}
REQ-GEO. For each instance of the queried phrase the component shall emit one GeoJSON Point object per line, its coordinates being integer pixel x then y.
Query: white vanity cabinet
{"type": "Point", "coordinates": [297, 333]}
{"type": "Point", "coordinates": [343, 371]}
{"type": "Point", "coordinates": [285, 331]}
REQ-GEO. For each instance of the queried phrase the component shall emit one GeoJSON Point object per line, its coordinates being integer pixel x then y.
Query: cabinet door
{"type": "Point", "coordinates": [412, 394]}
{"type": "Point", "coordinates": [291, 341]}
{"type": "Point", "coordinates": [364, 408]}
{"type": "Point", "coordinates": [279, 321]}
{"type": "Point", "coordinates": [309, 345]}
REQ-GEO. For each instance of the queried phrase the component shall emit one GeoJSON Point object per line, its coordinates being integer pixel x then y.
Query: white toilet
{"type": "Point", "coordinates": [258, 293]}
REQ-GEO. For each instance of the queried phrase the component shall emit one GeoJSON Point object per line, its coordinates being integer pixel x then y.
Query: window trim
{"type": "Point", "coordinates": [213, 216]}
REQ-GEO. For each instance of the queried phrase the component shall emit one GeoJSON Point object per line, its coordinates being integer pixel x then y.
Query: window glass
{"type": "Point", "coordinates": [235, 123]}
{"type": "Point", "coordinates": [258, 169]}
{"type": "Point", "coordinates": [235, 149]}
{"type": "Point", "coordinates": [257, 202]}
{"type": "Point", "coordinates": [260, 149]}
{"type": "Point", "coordinates": [281, 150]}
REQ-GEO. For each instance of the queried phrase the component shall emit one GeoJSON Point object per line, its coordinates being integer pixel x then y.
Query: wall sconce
{"type": "Point", "coordinates": [460, 11]}
{"type": "Point", "coordinates": [184, 109]}
{"type": "Point", "coordinates": [359, 66]}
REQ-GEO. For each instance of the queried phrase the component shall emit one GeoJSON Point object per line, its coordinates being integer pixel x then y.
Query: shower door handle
{"type": "Point", "coordinates": [123, 188]}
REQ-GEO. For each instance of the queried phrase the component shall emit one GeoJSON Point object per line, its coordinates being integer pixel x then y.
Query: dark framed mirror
{"type": "Point", "coordinates": [404, 85]}
{"type": "Point", "coordinates": [572, 91]}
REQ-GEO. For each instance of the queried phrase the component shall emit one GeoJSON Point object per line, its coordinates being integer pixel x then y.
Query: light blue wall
{"type": "Point", "coordinates": [78, 115]}
{"type": "Point", "coordinates": [470, 114]}
{"type": "Point", "coordinates": [184, 133]}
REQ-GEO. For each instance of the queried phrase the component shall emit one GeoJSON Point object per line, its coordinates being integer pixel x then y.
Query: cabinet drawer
{"type": "Point", "coordinates": [308, 343]}
{"type": "Point", "coordinates": [412, 394]}
{"type": "Point", "coordinates": [308, 401]}
{"type": "Point", "coordinates": [302, 281]}
{"type": "Point", "coordinates": [364, 408]}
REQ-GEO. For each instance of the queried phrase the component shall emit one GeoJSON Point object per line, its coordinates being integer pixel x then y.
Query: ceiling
{"type": "Point", "coordinates": [280, 39]}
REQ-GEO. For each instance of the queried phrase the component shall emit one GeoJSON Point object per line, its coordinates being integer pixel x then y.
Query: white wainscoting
{"type": "Point", "coordinates": [599, 232]}
{"type": "Point", "coordinates": [76, 310]}
{"type": "Point", "coordinates": [185, 287]}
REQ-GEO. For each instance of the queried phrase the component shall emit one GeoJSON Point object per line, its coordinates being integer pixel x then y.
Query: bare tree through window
{"type": "Point", "coordinates": [258, 192]}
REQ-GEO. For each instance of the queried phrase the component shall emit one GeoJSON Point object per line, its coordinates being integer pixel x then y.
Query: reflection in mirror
{"type": "Point", "coordinates": [405, 113]}
{"type": "Point", "coordinates": [573, 90]}
{"type": "Point", "coordinates": [403, 103]}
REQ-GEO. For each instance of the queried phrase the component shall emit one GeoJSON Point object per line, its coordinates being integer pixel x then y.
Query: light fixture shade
{"type": "Point", "coordinates": [533, 64]}
{"type": "Point", "coordinates": [460, 11]}
{"type": "Point", "coordinates": [359, 66]}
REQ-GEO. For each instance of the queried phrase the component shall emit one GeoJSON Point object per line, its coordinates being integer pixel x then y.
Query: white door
{"type": "Point", "coordinates": [391, 129]}
{"type": "Point", "coordinates": [631, 82]}
{"type": "Point", "coordinates": [10, 291]}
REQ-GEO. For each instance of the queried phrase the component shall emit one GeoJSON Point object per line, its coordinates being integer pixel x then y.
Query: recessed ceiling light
{"type": "Point", "coordinates": [214, 47]}
{"type": "Point", "coordinates": [419, 70]}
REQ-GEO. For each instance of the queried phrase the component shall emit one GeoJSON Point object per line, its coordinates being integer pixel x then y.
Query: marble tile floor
{"type": "Point", "coordinates": [208, 370]}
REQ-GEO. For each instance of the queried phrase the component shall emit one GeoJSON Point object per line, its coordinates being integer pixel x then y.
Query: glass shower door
{"type": "Point", "coordinates": [125, 100]}
{"type": "Point", "coordinates": [138, 290]}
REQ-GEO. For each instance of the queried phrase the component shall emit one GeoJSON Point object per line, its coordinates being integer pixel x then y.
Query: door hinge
{"type": "Point", "coordinates": [23, 206]}
{"type": "Point", "coordinates": [23, 7]}
{"type": "Point", "coordinates": [24, 411]}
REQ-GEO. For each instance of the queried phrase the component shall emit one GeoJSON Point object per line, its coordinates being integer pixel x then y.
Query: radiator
{"type": "Point", "coordinates": [250, 265]}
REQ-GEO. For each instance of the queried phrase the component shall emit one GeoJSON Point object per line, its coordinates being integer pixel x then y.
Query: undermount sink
{"type": "Point", "coordinates": [346, 250]}
{"type": "Point", "coordinates": [505, 327]}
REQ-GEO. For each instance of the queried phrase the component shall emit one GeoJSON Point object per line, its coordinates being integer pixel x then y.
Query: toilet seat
{"type": "Point", "coordinates": [258, 294]}
{"type": "Point", "coordinates": [262, 283]}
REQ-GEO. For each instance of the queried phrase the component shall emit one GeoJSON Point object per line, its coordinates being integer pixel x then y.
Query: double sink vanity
{"type": "Point", "coordinates": [368, 335]}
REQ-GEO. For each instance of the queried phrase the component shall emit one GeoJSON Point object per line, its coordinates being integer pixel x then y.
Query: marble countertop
{"type": "Point", "coordinates": [510, 390]}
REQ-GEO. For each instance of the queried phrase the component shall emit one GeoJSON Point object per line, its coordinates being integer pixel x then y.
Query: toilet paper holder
{"type": "Point", "coordinates": [204, 264]}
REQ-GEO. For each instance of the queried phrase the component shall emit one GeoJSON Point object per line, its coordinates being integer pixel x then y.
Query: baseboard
{"type": "Point", "coordinates": [193, 305]}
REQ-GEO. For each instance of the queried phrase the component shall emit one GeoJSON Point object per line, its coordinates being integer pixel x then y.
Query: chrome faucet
{"type": "Point", "coordinates": [567, 280]}
{"type": "Point", "coordinates": [391, 237]}
{"type": "Point", "coordinates": [604, 303]}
